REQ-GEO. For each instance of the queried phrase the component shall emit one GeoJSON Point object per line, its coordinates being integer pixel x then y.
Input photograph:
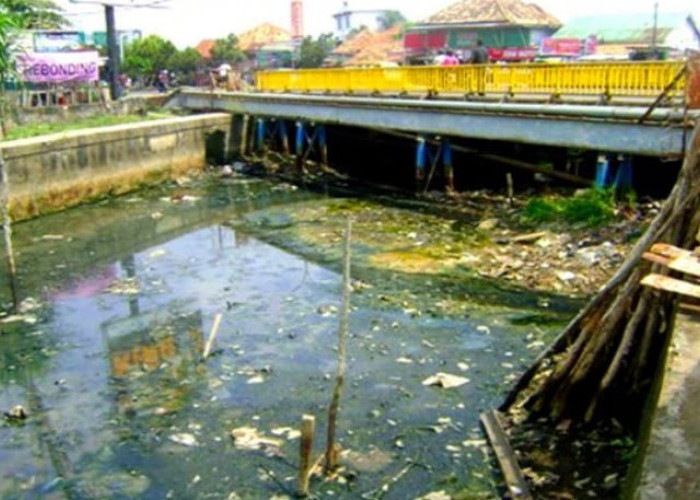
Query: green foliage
{"type": "Point", "coordinates": [186, 62]}
{"type": "Point", "coordinates": [145, 57]}
{"type": "Point", "coordinates": [8, 28]}
{"type": "Point", "coordinates": [37, 129]}
{"type": "Point", "coordinates": [226, 50]}
{"type": "Point", "coordinates": [34, 14]}
{"type": "Point", "coordinates": [593, 207]}
{"type": "Point", "coordinates": [313, 52]}
{"type": "Point", "coordinates": [390, 18]}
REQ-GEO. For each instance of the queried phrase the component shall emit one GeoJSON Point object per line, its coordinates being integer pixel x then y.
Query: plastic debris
{"type": "Point", "coordinates": [445, 380]}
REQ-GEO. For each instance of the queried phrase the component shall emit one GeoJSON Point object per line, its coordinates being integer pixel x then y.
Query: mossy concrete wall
{"type": "Point", "coordinates": [56, 171]}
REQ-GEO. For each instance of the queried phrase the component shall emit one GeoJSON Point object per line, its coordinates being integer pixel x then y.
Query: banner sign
{"type": "Point", "coordinates": [512, 53]}
{"type": "Point", "coordinates": [58, 41]}
{"type": "Point", "coordinates": [59, 67]}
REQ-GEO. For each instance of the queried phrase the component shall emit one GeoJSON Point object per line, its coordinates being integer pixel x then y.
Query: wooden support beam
{"type": "Point", "coordinates": [517, 487]}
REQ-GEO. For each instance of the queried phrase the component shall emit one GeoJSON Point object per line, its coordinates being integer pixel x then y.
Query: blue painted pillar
{"type": "Point", "coordinates": [282, 128]}
{"type": "Point", "coordinates": [323, 145]}
{"type": "Point", "coordinates": [447, 165]}
{"type": "Point", "coordinates": [602, 171]}
{"type": "Point", "coordinates": [299, 144]}
{"type": "Point", "coordinates": [260, 135]}
{"type": "Point", "coordinates": [421, 158]}
{"type": "Point", "coordinates": [623, 177]}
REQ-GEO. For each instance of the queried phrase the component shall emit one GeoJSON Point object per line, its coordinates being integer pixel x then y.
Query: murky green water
{"type": "Point", "coordinates": [121, 405]}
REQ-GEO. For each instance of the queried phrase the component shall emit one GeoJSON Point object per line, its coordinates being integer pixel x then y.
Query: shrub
{"type": "Point", "coordinates": [592, 207]}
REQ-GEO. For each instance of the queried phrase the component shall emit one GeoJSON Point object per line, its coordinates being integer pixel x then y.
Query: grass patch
{"type": "Point", "coordinates": [593, 207]}
{"type": "Point", "coordinates": [106, 120]}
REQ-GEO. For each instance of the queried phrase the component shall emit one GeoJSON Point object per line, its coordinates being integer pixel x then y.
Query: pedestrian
{"type": "Point", "coordinates": [480, 55]}
{"type": "Point", "coordinates": [439, 58]}
{"type": "Point", "coordinates": [450, 59]}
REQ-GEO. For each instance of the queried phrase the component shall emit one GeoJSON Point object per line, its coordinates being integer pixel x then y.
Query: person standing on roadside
{"type": "Point", "coordinates": [480, 55]}
{"type": "Point", "coordinates": [450, 59]}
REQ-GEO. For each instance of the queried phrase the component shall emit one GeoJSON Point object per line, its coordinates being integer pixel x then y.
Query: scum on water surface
{"type": "Point", "coordinates": [121, 405]}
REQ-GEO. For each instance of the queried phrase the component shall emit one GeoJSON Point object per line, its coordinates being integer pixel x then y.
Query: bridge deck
{"type": "Point", "coordinates": [603, 128]}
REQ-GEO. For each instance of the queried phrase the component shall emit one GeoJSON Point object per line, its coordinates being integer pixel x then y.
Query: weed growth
{"type": "Point", "coordinates": [26, 131]}
{"type": "Point", "coordinates": [593, 207]}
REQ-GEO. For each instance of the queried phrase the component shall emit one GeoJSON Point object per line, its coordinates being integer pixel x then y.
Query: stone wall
{"type": "Point", "coordinates": [55, 171]}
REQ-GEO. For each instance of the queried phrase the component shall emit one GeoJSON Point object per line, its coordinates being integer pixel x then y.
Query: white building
{"type": "Point", "coordinates": [355, 17]}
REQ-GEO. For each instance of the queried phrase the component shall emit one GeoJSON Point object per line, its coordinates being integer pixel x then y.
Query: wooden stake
{"type": "Point", "coordinates": [331, 450]}
{"type": "Point", "coordinates": [212, 336]}
{"type": "Point", "coordinates": [308, 427]}
{"type": "Point", "coordinates": [509, 184]}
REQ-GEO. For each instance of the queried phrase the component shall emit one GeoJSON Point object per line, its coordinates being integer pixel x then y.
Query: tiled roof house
{"type": "Point", "coordinates": [509, 28]}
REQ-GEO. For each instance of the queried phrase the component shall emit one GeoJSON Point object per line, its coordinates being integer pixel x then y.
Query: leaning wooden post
{"type": "Point", "coordinates": [212, 336]}
{"type": "Point", "coordinates": [308, 427]}
{"type": "Point", "coordinates": [331, 454]}
{"type": "Point", "coordinates": [7, 228]}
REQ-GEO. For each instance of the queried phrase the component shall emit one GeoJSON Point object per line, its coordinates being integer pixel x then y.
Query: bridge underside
{"type": "Point", "coordinates": [599, 128]}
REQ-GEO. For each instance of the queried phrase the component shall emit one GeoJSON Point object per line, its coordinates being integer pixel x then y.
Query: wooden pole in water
{"type": "Point", "coordinates": [331, 453]}
{"type": "Point", "coordinates": [7, 227]}
{"type": "Point", "coordinates": [212, 336]}
{"type": "Point", "coordinates": [308, 427]}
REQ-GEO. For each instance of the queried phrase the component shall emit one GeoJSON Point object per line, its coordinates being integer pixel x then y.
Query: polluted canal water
{"type": "Point", "coordinates": [120, 297]}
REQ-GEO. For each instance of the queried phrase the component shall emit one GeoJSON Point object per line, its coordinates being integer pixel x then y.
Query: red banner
{"type": "Point", "coordinates": [512, 54]}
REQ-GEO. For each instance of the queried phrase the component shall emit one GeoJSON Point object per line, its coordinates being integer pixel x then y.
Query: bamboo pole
{"type": "Point", "coordinates": [331, 452]}
{"type": "Point", "coordinates": [308, 427]}
{"type": "Point", "coordinates": [212, 336]}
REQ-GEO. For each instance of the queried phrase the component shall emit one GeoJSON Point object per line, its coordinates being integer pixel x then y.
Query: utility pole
{"type": "Point", "coordinates": [113, 49]}
{"type": "Point", "coordinates": [112, 53]}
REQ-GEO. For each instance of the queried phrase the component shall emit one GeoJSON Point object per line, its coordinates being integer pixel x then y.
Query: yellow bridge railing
{"type": "Point", "coordinates": [610, 79]}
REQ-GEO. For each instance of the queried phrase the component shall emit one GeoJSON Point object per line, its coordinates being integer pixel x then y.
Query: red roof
{"type": "Point", "coordinates": [204, 48]}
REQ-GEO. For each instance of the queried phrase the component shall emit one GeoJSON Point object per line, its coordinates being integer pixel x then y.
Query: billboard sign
{"type": "Point", "coordinates": [59, 67]}
{"type": "Point", "coordinates": [58, 41]}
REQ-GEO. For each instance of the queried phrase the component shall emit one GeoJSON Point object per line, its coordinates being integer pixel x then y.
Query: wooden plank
{"type": "Point", "coordinates": [689, 308]}
{"type": "Point", "coordinates": [686, 264]}
{"type": "Point", "coordinates": [669, 284]}
{"type": "Point", "coordinates": [656, 258]}
{"type": "Point", "coordinates": [517, 487]}
{"type": "Point", "coordinates": [666, 250]}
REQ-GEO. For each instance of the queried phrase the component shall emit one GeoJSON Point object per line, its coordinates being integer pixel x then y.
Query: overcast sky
{"type": "Point", "coordinates": [186, 22]}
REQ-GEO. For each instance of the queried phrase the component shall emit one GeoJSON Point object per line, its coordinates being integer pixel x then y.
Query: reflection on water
{"type": "Point", "coordinates": [122, 406]}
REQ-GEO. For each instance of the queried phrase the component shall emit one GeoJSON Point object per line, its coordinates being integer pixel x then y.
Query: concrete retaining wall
{"type": "Point", "coordinates": [56, 171]}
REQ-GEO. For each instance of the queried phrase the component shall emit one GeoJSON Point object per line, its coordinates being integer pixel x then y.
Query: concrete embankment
{"type": "Point", "coordinates": [60, 170]}
{"type": "Point", "coordinates": [670, 465]}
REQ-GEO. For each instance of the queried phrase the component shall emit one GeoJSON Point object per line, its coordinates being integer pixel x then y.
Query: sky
{"type": "Point", "coordinates": [186, 22]}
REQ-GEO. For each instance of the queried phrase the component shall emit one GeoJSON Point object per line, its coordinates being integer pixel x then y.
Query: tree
{"type": "Point", "coordinates": [313, 52]}
{"type": "Point", "coordinates": [226, 50]}
{"type": "Point", "coordinates": [145, 57]}
{"type": "Point", "coordinates": [34, 14]}
{"type": "Point", "coordinates": [390, 18]}
{"type": "Point", "coordinates": [186, 62]}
